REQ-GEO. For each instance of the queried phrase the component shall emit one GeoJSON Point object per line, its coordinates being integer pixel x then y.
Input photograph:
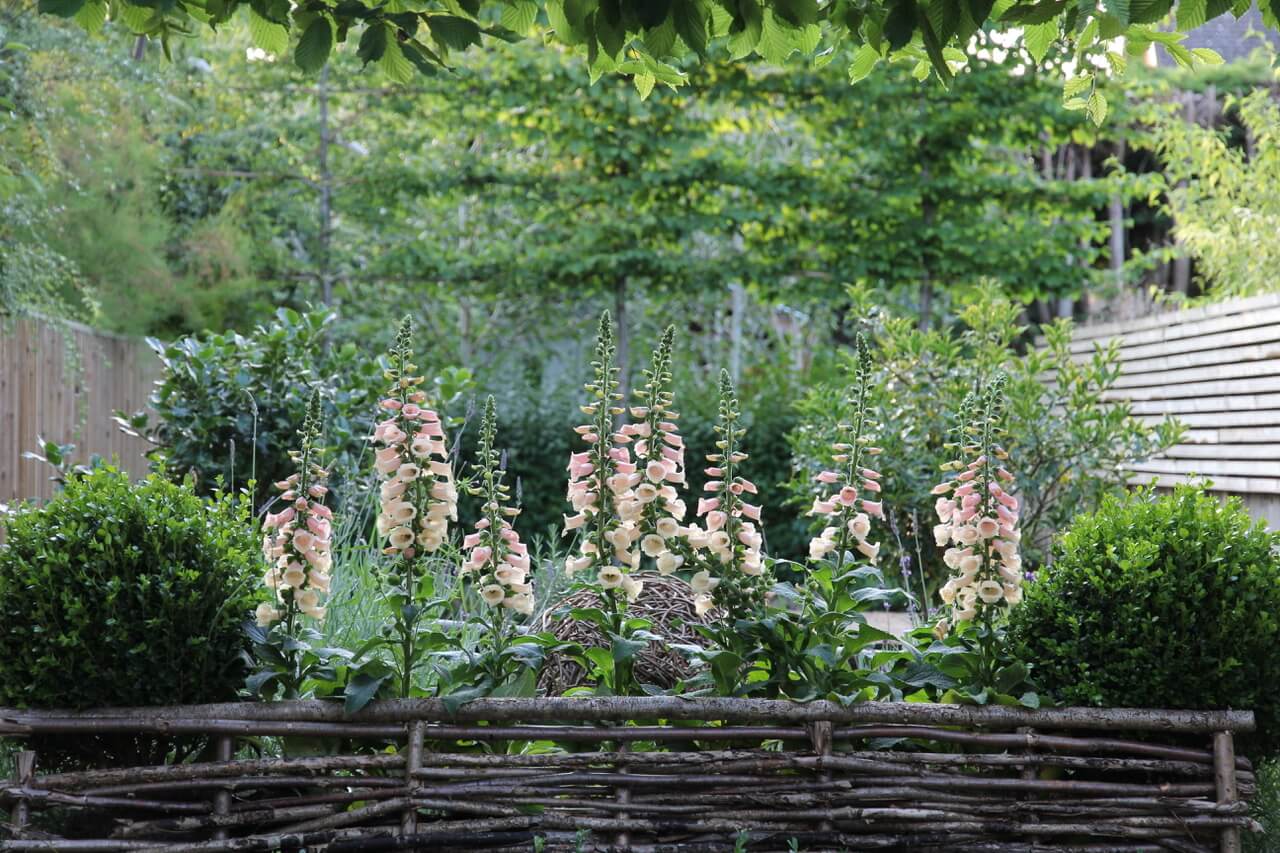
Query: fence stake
{"type": "Point", "coordinates": [1224, 777]}
{"type": "Point", "coordinates": [624, 796]}
{"type": "Point", "coordinates": [820, 733]}
{"type": "Point", "coordinates": [413, 763]}
{"type": "Point", "coordinates": [24, 771]}
{"type": "Point", "coordinates": [222, 798]}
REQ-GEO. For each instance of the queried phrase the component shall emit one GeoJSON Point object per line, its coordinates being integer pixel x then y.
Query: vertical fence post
{"type": "Point", "coordinates": [412, 764]}
{"type": "Point", "coordinates": [222, 799]}
{"type": "Point", "coordinates": [821, 734]}
{"type": "Point", "coordinates": [24, 771]}
{"type": "Point", "coordinates": [1224, 778]}
{"type": "Point", "coordinates": [623, 839]}
{"type": "Point", "coordinates": [1029, 770]}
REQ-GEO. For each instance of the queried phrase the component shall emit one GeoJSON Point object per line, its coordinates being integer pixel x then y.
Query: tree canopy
{"type": "Point", "coordinates": [657, 41]}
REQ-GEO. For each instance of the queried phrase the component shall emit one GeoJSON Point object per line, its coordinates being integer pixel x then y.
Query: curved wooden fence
{"type": "Point", "coordinates": [638, 774]}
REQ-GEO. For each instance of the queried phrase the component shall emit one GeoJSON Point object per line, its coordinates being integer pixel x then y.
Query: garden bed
{"type": "Point", "coordinates": [643, 773]}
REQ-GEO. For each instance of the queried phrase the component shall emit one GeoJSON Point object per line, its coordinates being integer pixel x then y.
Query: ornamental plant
{"type": "Point", "coordinates": [850, 515]}
{"type": "Point", "coordinates": [497, 563]}
{"type": "Point", "coordinates": [732, 573]}
{"type": "Point", "coordinates": [653, 503]}
{"type": "Point", "coordinates": [968, 657]}
{"type": "Point", "coordinates": [497, 569]}
{"type": "Point", "coordinates": [813, 641]}
{"type": "Point", "coordinates": [296, 548]}
{"type": "Point", "coordinates": [597, 476]}
{"type": "Point", "coordinates": [979, 519]}
{"type": "Point", "coordinates": [122, 593]}
{"type": "Point", "coordinates": [626, 507]}
{"type": "Point", "coordinates": [1161, 601]}
{"type": "Point", "coordinates": [417, 499]}
{"type": "Point", "coordinates": [1071, 442]}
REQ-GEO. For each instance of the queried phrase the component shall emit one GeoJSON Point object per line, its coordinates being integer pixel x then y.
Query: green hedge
{"type": "Point", "coordinates": [1160, 601]}
{"type": "Point", "coordinates": [118, 594]}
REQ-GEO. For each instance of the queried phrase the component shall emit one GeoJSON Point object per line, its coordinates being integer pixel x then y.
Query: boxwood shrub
{"type": "Point", "coordinates": [1164, 601]}
{"type": "Point", "coordinates": [116, 593]}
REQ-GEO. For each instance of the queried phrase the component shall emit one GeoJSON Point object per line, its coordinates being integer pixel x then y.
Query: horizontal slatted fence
{"type": "Point", "coordinates": [1216, 369]}
{"type": "Point", "coordinates": [64, 381]}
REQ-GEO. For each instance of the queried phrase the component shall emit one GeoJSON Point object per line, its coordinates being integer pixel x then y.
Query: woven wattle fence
{"type": "Point", "coordinates": [641, 774]}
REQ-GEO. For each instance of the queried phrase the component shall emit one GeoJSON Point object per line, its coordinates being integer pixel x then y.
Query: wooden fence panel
{"type": "Point", "coordinates": [64, 381]}
{"type": "Point", "coordinates": [1216, 369]}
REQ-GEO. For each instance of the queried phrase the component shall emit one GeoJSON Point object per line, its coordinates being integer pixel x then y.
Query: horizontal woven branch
{"type": "Point", "coordinates": [668, 708]}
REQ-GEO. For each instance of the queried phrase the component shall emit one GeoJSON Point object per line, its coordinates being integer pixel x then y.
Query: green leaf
{"type": "Point", "coordinates": [373, 43]}
{"type": "Point", "coordinates": [454, 32]}
{"type": "Point", "coordinates": [660, 39]}
{"type": "Point", "coordinates": [1192, 14]}
{"type": "Point", "coordinates": [900, 25]}
{"type": "Point", "coordinates": [1207, 55]}
{"type": "Point", "coordinates": [361, 690]}
{"type": "Point", "coordinates": [1119, 9]}
{"type": "Point", "coordinates": [313, 48]}
{"type": "Point", "coordinates": [1029, 700]}
{"type": "Point", "coordinates": [644, 83]}
{"type": "Point", "coordinates": [601, 658]}
{"type": "Point", "coordinates": [92, 16]}
{"type": "Point", "coordinates": [394, 64]}
{"type": "Point", "coordinates": [61, 8]}
{"type": "Point", "coordinates": [1096, 107]}
{"type": "Point", "coordinates": [1148, 11]}
{"type": "Point", "coordinates": [1034, 13]}
{"type": "Point", "coordinates": [455, 700]}
{"type": "Point", "coordinates": [519, 16]}
{"type": "Point", "coordinates": [625, 649]}
{"type": "Point", "coordinates": [864, 62]}
{"type": "Point", "coordinates": [776, 43]}
{"type": "Point", "coordinates": [268, 35]}
{"type": "Point", "coordinates": [1075, 85]}
{"type": "Point", "coordinates": [691, 25]}
{"type": "Point", "coordinates": [798, 13]}
{"type": "Point", "coordinates": [1039, 38]}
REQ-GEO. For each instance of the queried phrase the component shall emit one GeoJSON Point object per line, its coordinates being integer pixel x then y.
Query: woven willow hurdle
{"type": "Point", "coordinates": [645, 774]}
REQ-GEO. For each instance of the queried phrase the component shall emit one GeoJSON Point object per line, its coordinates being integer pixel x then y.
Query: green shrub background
{"type": "Point", "coordinates": [120, 594]}
{"type": "Point", "coordinates": [1160, 601]}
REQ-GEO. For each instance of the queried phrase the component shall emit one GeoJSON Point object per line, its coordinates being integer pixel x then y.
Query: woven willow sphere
{"type": "Point", "coordinates": [666, 601]}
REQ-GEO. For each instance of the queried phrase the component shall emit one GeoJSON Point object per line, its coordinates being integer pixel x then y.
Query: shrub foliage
{"type": "Point", "coordinates": [121, 594]}
{"type": "Point", "coordinates": [1159, 601]}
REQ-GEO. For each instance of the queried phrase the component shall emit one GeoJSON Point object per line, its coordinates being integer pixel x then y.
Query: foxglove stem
{"type": "Point", "coordinates": [298, 545]}
{"type": "Point", "coordinates": [978, 515]}
{"type": "Point", "coordinates": [297, 549]}
{"type": "Point", "coordinates": [497, 562]}
{"type": "Point", "coordinates": [594, 475]}
{"type": "Point", "coordinates": [855, 499]}
{"type": "Point", "coordinates": [733, 572]}
{"type": "Point", "coordinates": [419, 497]}
{"type": "Point", "coordinates": [651, 505]}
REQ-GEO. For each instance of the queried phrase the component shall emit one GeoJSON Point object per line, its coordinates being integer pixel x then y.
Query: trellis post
{"type": "Point", "coordinates": [412, 764]}
{"type": "Point", "coordinates": [24, 771]}
{"type": "Point", "coordinates": [222, 799]}
{"type": "Point", "coordinates": [1224, 777]}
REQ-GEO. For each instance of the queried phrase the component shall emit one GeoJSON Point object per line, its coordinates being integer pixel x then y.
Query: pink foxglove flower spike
{"type": "Point", "coordinates": [978, 522]}
{"type": "Point", "coordinates": [732, 570]}
{"type": "Point", "coordinates": [855, 488]}
{"type": "Point", "coordinates": [418, 498]}
{"type": "Point", "coordinates": [497, 563]}
{"type": "Point", "coordinates": [299, 537]}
